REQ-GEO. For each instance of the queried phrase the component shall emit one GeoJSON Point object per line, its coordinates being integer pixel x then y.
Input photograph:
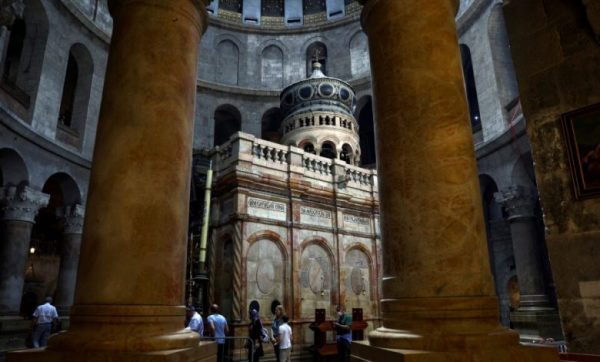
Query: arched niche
{"type": "Point", "coordinates": [317, 51]}
{"type": "Point", "coordinates": [272, 67]}
{"type": "Point", "coordinates": [359, 55]}
{"type": "Point", "coordinates": [265, 273]}
{"type": "Point", "coordinates": [358, 281]}
{"type": "Point", "coordinates": [364, 112]}
{"type": "Point", "coordinates": [228, 120]}
{"type": "Point", "coordinates": [316, 278]}
{"type": "Point", "coordinates": [228, 59]}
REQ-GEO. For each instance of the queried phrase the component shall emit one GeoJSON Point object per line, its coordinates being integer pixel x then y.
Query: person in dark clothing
{"type": "Point", "coordinates": [343, 328]}
{"type": "Point", "coordinates": [255, 333]}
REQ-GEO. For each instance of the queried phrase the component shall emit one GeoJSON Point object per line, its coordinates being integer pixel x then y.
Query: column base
{"type": "Point", "coordinates": [536, 324]}
{"type": "Point", "coordinates": [363, 351]}
{"type": "Point", "coordinates": [203, 352]}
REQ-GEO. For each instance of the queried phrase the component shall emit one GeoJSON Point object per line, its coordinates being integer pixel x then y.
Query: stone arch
{"type": "Point", "coordinates": [227, 121]}
{"type": "Point", "coordinates": [266, 268]}
{"type": "Point", "coordinates": [271, 124]}
{"type": "Point", "coordinates": [328, 149]}
{"type": "Point", "coordinates": [25, 77]}
{"type": "Point", "coordinates": [76, 89]}
{"type": "Point", "coordinates": [314, 45]}
{"type": "Point", "coordinates": [366, 131]}
{"type": "Point", "coordinates": [359, 55]}
{"type": "Point", "coordinates": [13, 170]}
{"type": "Point", "coordinates": [317, 277]}
{"type": "Point", "coordinates": [347, 154]}
{"type": "Point", "coordinates": [504, 72]}
{"type": "Point", "coordinates": [228, 62]}
{"type": "Point", "coordinates": [272, 67]}
{"type": "Point", "coordinates": [471, 87]}
{"type": "Point", "coordinates": [358, 260]}
{"type": "Point", "coordinates": [491, 209]}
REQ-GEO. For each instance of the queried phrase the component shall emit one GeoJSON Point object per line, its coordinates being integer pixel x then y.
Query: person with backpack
{"type": "Point", "coordinates": [256, 333]}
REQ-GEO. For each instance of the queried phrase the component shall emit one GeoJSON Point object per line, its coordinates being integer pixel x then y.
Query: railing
{"type": "Point", "coordinates": [270, 152]}
{"type": "Point", "coordinates": [317, 164]}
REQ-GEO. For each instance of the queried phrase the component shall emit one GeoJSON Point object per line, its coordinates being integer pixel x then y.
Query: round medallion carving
{"type": "Point", "coordinates": [357, 281]}
{"type": "Point", "coordinates": [265, 277]}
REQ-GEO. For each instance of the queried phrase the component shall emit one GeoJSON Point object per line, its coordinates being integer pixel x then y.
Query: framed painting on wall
{"type": "Point", "coordinates": [582, 136]}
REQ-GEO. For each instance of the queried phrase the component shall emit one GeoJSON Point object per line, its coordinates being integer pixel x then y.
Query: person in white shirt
{"type": "Point", "coordinates": [43, 317]}
{"type": "Point", "coordinates": [285, 340]}
{"type": "Point", "coordinates": [196, 324]}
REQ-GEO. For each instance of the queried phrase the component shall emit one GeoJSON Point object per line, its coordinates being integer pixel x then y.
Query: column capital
{"type": "Point", "coordinates": [21, 203]}
{"type": "Point", "coordinates": [73, 216]}
{"type": "Point", "coordinates": [519, 201]}
{"type": "Point", "coordinates": [10, 10]}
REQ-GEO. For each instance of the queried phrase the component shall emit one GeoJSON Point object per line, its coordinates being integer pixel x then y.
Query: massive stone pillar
{"type": "Point", "coordinates": [535, 317]}
{"type": "Point", "coordinates": [130, 283]}
{"type": "Point", "coordinates": [18, 207]}
{"type": "Point", "coordinates": [438, 297]}
{"type": "Point", "coordinates": [69, 258]}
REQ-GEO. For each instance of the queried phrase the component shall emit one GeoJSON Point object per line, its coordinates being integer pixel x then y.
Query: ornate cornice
{"type": "Point", "coordinates": [518, 201]}
{"type": "Point", "coordinates": [21, 203]}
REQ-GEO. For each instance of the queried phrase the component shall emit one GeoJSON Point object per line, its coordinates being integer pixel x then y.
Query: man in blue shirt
{"type": "Point", "coordinates": [219, 328]}
{"type": "Point", "coordinates": [343, 328]}
{"type": "Point", "coordinates": [196, 324]}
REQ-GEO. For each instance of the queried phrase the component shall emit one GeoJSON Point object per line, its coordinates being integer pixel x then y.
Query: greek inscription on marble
{"type": "Point", "coordinates": [357, 220]}
{"type": "Point", "coordinates": [267, 209]}
{"type": "Point", "coordinates": [312, 216]}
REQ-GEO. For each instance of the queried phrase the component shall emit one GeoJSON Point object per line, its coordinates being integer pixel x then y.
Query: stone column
{"type": "Point", "coordinates": [130, 283]}
{"type": "Point", "coordinates": [534, 317]}
{"type": "Point", "coordinates": [18, 207]}
{"type": "Point", "coordinates": [69, 258]}
{"type": "Point", "coordinates": [438, 295]}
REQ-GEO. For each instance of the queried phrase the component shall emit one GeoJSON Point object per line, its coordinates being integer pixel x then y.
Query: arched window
{"type": "Point", "coordinates": [13, 52]}
{"type": "Point", "coordinates": [467, 64]}
{"type": "Point", "coordinates": [367, 132]}
{"type": "Point", "coordinates": [328, 150]}
{"type": "Point", "coordinates": [271, 124]}
{"type": "Point", "coordinates": [76, 91]}
{"type": "Point", "coordinates": [347, 154]}
{"type": "Point", "coordinates": [228, 60]}
{"type": "Point", "coordinates": [504, 71]}
{"type": "Point", "coordinates": [228, 121]}
{"type": "Point", "coordinates": [309, 148]}
{"type": "Point", "coordinates": [272, 67]}
{"type": "Point", "coordinates": [316, 51]}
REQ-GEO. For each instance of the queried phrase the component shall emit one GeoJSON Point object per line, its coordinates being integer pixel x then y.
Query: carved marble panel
{"type": "Point", "coordinates": [265, 273]}
{"type": "Point", "coordinates": [316, 277]}
{"type": "Point", "coordinates": [357, 279]}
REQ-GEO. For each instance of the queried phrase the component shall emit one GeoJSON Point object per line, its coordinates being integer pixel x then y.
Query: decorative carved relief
{"type": "Point", "coordinates": [21, 203]}
{"type": "Point", "coordinates": [10, 10]}
{"type": "Point", "coordinates": [518, 201]}
{"type": "Point", "coordinates": [316, 278]}
{"type": "Point", "coordinates": [265, 272]}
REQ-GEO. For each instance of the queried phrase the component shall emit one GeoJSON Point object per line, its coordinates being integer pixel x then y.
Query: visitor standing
{"type": "Point", "coordinates": [255, 333]}
{"type": "Point", "coordinates": [285, 340]}
{"type": "Point", "coordinates": [219, 328]}
{"type": "Point", "coordinates": [275, 327]}
{"type": "Point", "coordinates": [196, 323]}
{"type": "Point", "coordinates": [343, 328]}
{"type": "Point", "coordinates": [43, 318]}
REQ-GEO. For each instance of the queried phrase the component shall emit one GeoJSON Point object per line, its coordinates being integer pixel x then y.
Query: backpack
{"type": "Point", "coordinates": [264, 335]}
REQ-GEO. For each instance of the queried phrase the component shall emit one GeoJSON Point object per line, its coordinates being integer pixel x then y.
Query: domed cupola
{"type": "Point", "coordinates": [318, 117]}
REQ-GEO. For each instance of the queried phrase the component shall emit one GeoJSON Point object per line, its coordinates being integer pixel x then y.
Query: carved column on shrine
{"type": "Point", "coordinates": [69, 257]}
{"type": "Point", "coordinates": [18, 208]}
{"type": "Point", "coordinates": [438, 300]}
{"type": "Point", "coordinates": [534, 318]}
{"type": "Point", "coordinates": [129, 296]}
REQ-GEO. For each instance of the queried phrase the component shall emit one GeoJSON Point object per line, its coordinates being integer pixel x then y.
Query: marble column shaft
{"type": "Point", "coordinates": [19, 206]}
{"type": "Point", "coordinates": [130, 284]}
{"type": "Point", "coordinates": [520, 204]}
{"type": "Point", "coordinates": [69, 257]}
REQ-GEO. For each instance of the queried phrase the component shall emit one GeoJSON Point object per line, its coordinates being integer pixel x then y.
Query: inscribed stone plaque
{"type": "Point", "coordinates": [357, 223]}
{"type": "Point", "coordinates": [312, 216]}
{"type": "Point", "coordinates": [267, 209]}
